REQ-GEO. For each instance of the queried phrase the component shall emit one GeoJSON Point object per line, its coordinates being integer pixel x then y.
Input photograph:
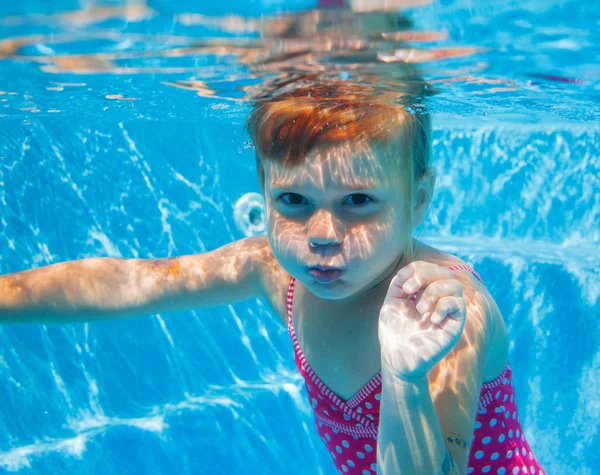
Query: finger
{"type": "Point", "coordinates": [436, 290]}
{"type": "Point", "coordinates": [450, 306]}
{"type": "Point", "coordinates": [420, 273]}
{"type": "Point", "coordinates": [396, 292]}
{"type": "Point", "coordinates": [407, 275]}
{"type": "Point", "coordinates": [395, 289]}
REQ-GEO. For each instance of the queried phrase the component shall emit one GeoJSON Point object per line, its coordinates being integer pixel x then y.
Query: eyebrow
{"type": "Point", "coordinates": [353, 187]}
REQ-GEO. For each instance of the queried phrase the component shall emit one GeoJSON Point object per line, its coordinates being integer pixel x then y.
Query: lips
{"type": "Point", "coordinates": [326, 276]}
{"type": "Point", "coordinates": [324, 268]}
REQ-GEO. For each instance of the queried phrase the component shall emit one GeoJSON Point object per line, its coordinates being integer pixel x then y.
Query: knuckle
{"type": "Point", "coordinates": [458, 287]}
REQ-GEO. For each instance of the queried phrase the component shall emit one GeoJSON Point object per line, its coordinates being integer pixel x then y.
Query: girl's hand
{"type": "Point", "coordinates": [422, 318]}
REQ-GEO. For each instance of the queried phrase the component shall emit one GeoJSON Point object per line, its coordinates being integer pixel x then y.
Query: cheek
{"type": "Point", "coordinates": [279, 227]}
{"type": "Point", "coordinates": [366, 242]}
{"type": "Point", "coordinates": [378, 230]}
{"type": "Point", "coordinates": [285, 237]}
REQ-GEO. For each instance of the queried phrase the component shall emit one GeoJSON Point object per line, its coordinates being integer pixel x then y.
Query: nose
{"type": "Point", "coordinates": [324, 229]}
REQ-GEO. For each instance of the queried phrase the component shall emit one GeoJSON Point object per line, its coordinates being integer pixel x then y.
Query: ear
{"type": "Point", "coordinates": [423, 193]}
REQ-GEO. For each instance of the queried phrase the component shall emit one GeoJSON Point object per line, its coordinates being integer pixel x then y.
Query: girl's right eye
{"type": "Point", "coordinates": [294, 200]}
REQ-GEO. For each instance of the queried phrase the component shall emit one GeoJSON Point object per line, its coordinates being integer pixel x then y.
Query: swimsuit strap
{"type": "Point", "coordinates": [468, 269]}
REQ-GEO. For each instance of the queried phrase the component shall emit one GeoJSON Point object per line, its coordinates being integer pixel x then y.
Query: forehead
{"type": "Point", "coordinates": [340, 166]}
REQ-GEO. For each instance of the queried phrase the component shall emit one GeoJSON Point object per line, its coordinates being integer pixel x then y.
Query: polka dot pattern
{"type": "Point", "coordinates": [349, 428]}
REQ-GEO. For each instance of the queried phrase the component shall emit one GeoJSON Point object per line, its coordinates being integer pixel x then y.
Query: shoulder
{"type": "Point", "coordinates": [273, 279]}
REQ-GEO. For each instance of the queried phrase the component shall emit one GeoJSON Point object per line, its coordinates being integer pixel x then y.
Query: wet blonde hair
{"type": "Point", "coordinates": [286, 128]}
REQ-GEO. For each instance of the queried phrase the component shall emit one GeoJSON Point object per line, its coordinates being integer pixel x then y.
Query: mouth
{"type": "Point", "coordinates": [324, 268]}
{"type": "Point", "coordinates": [325, 275]}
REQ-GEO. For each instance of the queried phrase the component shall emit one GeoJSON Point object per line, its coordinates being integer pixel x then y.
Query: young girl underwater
{"type": "Point", "coordinates": [403, 350]}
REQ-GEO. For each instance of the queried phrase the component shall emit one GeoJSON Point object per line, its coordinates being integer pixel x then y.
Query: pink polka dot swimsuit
{"type": "Point", "coordinates": [349, 428]}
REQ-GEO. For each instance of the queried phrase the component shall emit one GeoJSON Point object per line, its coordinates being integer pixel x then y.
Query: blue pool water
{"type": "Point", "coordinates": [109, 146]}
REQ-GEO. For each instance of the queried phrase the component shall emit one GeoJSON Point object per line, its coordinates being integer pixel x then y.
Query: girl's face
{"type": "Point", "coordinates": [344, 197]}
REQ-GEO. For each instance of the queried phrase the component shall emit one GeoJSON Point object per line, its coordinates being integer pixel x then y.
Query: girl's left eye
{"type": "Point", "coordinates": [360, 199]}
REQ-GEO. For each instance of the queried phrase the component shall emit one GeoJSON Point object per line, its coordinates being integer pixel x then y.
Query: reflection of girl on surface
{"type": "Point", "coordinates": [403, 349]}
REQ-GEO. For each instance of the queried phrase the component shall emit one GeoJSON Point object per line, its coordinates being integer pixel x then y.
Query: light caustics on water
{"type": "Point", "coordinates": [237, 58]}
{"type": "Point", "coordinates": [529, 205]}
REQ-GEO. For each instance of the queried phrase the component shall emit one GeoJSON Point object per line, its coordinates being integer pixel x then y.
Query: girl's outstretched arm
{"type": "Point", "coordinates": [111, 288]}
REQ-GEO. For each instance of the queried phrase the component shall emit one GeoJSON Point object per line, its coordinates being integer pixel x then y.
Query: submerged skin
{"type": "Point", "coordinates": [165, 268]}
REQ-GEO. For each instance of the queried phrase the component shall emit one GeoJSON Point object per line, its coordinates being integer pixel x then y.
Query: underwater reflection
{"type": "Point", "coordinates": [362, 43]}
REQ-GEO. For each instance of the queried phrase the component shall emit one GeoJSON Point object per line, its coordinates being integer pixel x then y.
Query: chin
{"type": "Point", "coordinates": [327, 294]}
{"type": "Point", "coordinates": [338, 290]}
